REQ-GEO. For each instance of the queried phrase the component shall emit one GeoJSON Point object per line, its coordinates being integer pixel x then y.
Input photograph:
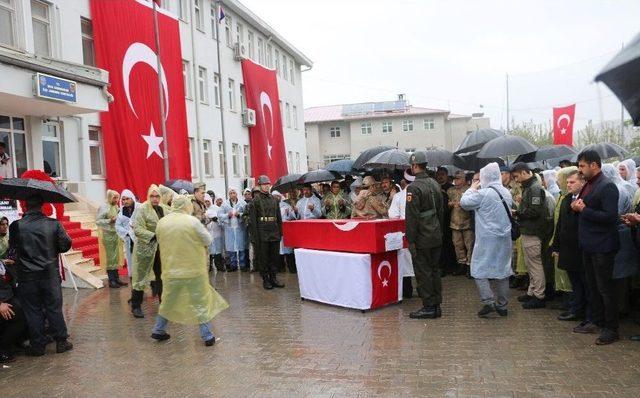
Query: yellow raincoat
{"type": "Point", "coordinates": [188, 297]}
{"type": "Point", "coordinates": [110, 246]}
{"type": "Point", "coordinates": [144, 221]}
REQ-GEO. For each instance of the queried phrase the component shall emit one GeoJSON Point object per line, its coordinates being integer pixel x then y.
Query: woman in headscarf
{"type": "Point", "coordinates": [626, 168]}
{"type": "Point", "coordinates": [235, 231]}
{"type": "Point", "coordinates": [123, 226]}
{"type": "Point", "coordinates": [215, 230]}
{"type": "Point", "coordinates": [626, 261]}
{"type": "Point", "coordinates": [491, 260]}
{"type": "Point", "coordinates": [188, 298]}
{"type": "Point", "coordinates": [286, 253]}
{"type": "Point", "coordinates": [550, 178]}
{"type": "Point", "coordinates": [109, 243]}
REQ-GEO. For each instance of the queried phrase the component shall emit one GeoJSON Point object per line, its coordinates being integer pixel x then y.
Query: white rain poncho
{"type": "Point", "coordinates": [287, 213]}
{"type": "Point", "coordinates": [551, 182]}
{"type": "Point", "coordinates": [230, 218]}
{"type": "Point", "coordinates": [631, 181]}
{"type": "Point", "coordinates": [493, 247]}
{"type": "Point", "coordinates": [303, 207]}
{"type": "Point", "coordinates": [214, 228]}
{"type": "Point", "coordinates": [625, 197]}
{"type": "Point", "coordinates": [397, 210]}
{"type": "Point", "coordinates": [124, 230]}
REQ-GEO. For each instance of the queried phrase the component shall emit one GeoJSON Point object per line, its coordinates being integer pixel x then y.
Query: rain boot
{"type": "Point", "coordinates": [218, 261]}
{"type": "Point", "coordinates": [291, 263]}
{"type": "Point", "coordinates": [113, 284]}
{"type": "Point", "coordinates": [274, 280]}
{"type": "Point", "coordinates": [117, 278]}
{"type": "Point", "coordinates": [136, 302]}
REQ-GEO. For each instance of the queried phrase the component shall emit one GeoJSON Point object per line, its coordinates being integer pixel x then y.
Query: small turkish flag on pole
{"type": "Point", "coordinates": [563, 125]}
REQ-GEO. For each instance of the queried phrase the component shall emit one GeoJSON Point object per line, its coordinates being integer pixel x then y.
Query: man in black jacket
{"type": "Point", "coordinates": [38, 241]}
{"type": "Point", "coordinates": [598, 234]}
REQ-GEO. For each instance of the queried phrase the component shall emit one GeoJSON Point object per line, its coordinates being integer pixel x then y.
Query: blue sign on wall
{"type": "Point", "coordinates": [55, 88]}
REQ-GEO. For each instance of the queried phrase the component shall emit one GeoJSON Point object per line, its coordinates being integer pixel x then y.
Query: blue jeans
{"type": "Point", "coordinates": [236, 259]}
{"type": "Point", "coordinates": [161, 326]}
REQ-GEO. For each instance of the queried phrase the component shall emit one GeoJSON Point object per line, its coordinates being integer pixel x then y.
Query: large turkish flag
{"type": "Point", "coordinates": [267, 142]}
{"type": "Point", "coordinates": [563, 125]}
{"type": "Point", "coordinates": [125, 46]}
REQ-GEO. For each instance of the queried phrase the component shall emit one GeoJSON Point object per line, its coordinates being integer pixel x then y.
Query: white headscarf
{"type": "Point", "coordinates": [274, 193]}
{"type": "Point", "coordinates": [208, 197]}
{"type": "Point", "coordinates": [611, 172]}
{"type": "Point", "coordinates": [551, 181]}
{"type": "Point", "coordinates": [490, 175]}
{"type": "Point", "coordinates": [128, 194]}
{"type": "Point", "coordinates": [630, 165]}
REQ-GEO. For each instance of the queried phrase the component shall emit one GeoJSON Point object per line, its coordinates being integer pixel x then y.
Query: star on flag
{"type": "Point", "coordinates": [153, 143]}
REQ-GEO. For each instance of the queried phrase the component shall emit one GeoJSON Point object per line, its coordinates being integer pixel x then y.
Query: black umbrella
{"type": "Point", "coordinates": [548, 152]}
{"type": "Point", "coordinates": [475, 140]}
{"type": "Point", "coordinates": [343, 166]}
{"type": "Point", "coordinates": [286, 183]}
{"type": "Point", "coordinates": [506, 145]}
{"type": "Point", "coordinates": [392, 159]}
{"type": "Point", "coordinates": [23, 188]}
{"type": "Point", "coordinates": [319, 176]}
{"type": "Point", "coordinates": [367, 154]}
{"type": "Point", "coordinates": [622, 75]}
{"type": "Point", "coordinates": [437, 157]}
{"type": "Point", "coordinates": [178, 185]}
{"type": "Point", "coordinates": [606, 150]}
{"type": "Point", "coordinates": [471, 162]}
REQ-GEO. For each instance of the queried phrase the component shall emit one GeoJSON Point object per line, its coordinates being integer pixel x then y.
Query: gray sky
{"type": "Point", "coordinates": [455, 54]}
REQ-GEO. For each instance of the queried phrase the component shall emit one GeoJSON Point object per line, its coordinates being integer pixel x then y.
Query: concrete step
{"type": "Point", "coordinates": [93, 280]}
{"type": "Point", "coordinates": [73, 256]}
{"type": "Point", "coordinates": [86, 263]}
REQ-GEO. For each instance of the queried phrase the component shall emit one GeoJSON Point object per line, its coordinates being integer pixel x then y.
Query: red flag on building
{"type": "Point", "coordinates": [563, 125]}
{"type": "Point", "coordinates": [267, 141]}
{"type": "Point", "coordinates": [132, 130]}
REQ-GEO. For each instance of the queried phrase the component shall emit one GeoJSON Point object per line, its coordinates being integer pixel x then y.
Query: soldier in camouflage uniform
{"type": "Point", "coordinates": [461, 231]}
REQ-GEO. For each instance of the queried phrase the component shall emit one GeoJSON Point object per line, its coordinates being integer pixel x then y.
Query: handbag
{"type": "Point", "coordinates": [515, 228]}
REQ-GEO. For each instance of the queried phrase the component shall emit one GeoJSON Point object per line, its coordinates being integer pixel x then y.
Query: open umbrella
{"type": "Point", "coordinates": [23, 188]}
{"type": "Point", "coordinates": [367, 154]}
{"type": "Point", "coordinates": [622, 76]}
{"type": "Point", "coordinates": [319, 176]}
{"type": "Point", "coordinates": [606, 150]}
{"type": "Point", "coordinates": [178, 185]}
{"type": "Point", "coordinates": [392, 159]}
{"type": "Point", "coordinates": [506, 145]}
{"type": "Point", "coordinates": [548, 152]}
{"type": "Point", "coordinates": [471, 162]}
{"type": "Point", "coordinates": [343, 166]}
{"type": "Point", "coordinates": [437, 157]}
{"type": "Point", "coordinates": [475, 140]}
{"type": "Point", "coordinates": [286, 183]}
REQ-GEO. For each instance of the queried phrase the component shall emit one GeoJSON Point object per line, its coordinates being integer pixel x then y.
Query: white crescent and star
{"type": "Point", "coordinates": [347, 226]}
{"type": "Point", "coordinates": [141, 53]}
{"type": "Point", "coordinates": [266, 101]}
{"type": "Point", "coordinates": [564, 116]}
{"type": "Point", "coordinates": [384, 264]}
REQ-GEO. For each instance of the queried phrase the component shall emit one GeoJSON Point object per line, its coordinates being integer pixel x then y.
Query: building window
{"type": "Point", "coordinates": [203, 85]}
{"type": "Point", "coordinates": [208, 164]}
{"type": "Point", "coordinates": [277, 58]}
{"type": "Point", "coordinates": [13, 135]}
{"type": "Point", "coordinates": [429, 124]}
{"type": "Point", "coordinates": [285, 75]}
{"type": "Point", "coordinates": [222, 161]}
{"type": "Point", "coordinates": [88, 57]}
{"type": "Point", "coordinates": [186, 77]}
{"type": "Point", "coordinates": [239, 33]}
{"type": "Point", "coordinates": [192, 152]}
{"type": "Point", "coordinates": [235, 158]}
{"type": "Point", "coordinates": [365, 128]}
{"type": "Point", "coordinates": [252, 53]}
{"type": "Point", "coordinates": [51, 150]}
{"type": "Point", "coordinates": [216, 89]}
{"type": "Point", "coordinates": [232, 95]}
{"type": "Point", "coordinates": [8, 35]}
{"type": "Point", "coordinates": [410, 150]}
{"type": "Point", "coordinates": [269, 56]}
{"type": "Point", "coordinates": [199, 14]}
{"type": "Point", "coordinates": [407, 126]}
{"type": "Point", "coordinates": [243, 99]}
{"type": "Point", "coordinates": [213, 17]}
{"type": "Point", "coordinates": [95, 152]}
{"type": "Point", "coordinates": [288, 115]}
{"type": "Point", "coordinates": [297, 162]}
{"type": "Point", "coordinates": [246, 155]}
{"type": "Point", "coordinates": [295, 117]}
{"type": "Point", "coordinates": [41, 21]}
{"type": "Point", "coordinates": [292, 72]}
{"type": "Point", "coordinates": [183, 12]}
{"type": "Point", "coordinates": [387, 127]}
{"type": "Point", "coordinates": [260, 51]}
{"type": "Point", "coordinates": [227, 31]}
{"type": "Point", "coordinates": [290, 161]}
{"type": "Point", "coordinates": [334, 132]}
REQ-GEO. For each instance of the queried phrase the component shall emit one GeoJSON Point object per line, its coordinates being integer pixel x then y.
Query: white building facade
{"type": "Point", "coordinates": [64, 138]}
{"type": "Point", "coordinates": [344, 131]}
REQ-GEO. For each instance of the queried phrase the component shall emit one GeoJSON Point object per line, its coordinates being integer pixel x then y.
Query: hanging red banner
{"type": "Point", "coordinates": [563, 125]}
{"type": "Point", "coordinates": [124, 38]}
{"type": "Point", "coordinates": [268, 155]}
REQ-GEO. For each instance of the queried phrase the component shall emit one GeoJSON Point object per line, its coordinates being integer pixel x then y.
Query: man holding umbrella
{"type": "Point", "coordinates": [424, 226]}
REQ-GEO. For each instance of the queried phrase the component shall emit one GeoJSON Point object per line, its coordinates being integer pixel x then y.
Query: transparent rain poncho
{"type": "Point", "coordinates": [187, 297]}
{"type": "Point", "coordinates": [631, 181]}
{"type": "Point", "coordinates": [551, 182]}
{"type": "Point", "coordinates": [109, 245]}
{"type": "Point", "coordinates": [624, 198]}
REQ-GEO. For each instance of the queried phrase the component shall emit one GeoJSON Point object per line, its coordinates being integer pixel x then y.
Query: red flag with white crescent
{"type": "Point", "coordinates": [125, 46]}
{"type": "Point", "coordinates": [385, 275]}
{"type": "Point", "coordinates": [268, 155]}
{"type": "Point", "coordinates": [563, 125]}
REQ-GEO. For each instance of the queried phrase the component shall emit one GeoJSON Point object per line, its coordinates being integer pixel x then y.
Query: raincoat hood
{"type": "Point", "coordinates": [181, 204]}
{"type": "Point", "coordinates": [152, 188]}
{"type": "Point", "coordinates": [490, 175]}
{"type": "Point", "coordinates": [128, 194]}
{"type": "Point", "coordinates": [110, 195]}
{"type": "Point", "coordinates": [208, 197]}
{"type": "Point", "coordinates": [630, 165]}
{"type": "Point", "coordinates": [166, 194]}
{"type": "Point", "coordinates": [563, 174]}
{"type": "Point", "coordinates": [611, 172]}
{"type": "Point", "coordinates": [551, 181]}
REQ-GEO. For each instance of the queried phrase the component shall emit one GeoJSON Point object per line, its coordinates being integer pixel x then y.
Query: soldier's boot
{"type": "Point", "coordinates": [291, 263]}
{"type": "Point", "coordinates": [266, 281]}
{"type": "Point", "coordinates": [112, 280]}
{"type": "Point", "coordinates": [274, 281]}
{"type": "Point", "coordinates": [407, 287]}
{"type": "Point", "coordinates": [218, 262]}
{"type": "Point", "coordinates": [281, 264]}
{"type": "Point", "coordinates": [136, 302]}
{"type": "Point", "coordinates": [117, 278]}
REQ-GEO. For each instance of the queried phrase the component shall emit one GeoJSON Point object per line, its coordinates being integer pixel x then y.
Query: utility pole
{"type": "Point", "coordinates": [165, 153]}
{"type": "Point", "coordinates": [224, 142]}
{"type": "Point", "coordinates": [507, 103]}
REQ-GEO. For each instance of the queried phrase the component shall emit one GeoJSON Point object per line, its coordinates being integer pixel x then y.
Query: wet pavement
{"type": "Point", "coordinates": [273, 345]}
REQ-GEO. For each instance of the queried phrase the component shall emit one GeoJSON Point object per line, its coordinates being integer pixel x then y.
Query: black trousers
{"type": "Point", "coordinates": [267, 257]}
{"type": "Point", "coordinates": [598, 271]}
{"type": "Point", "coordinates": [426, 266]}
{"type": "Point", "coordinates": [40, 298]}
{"type": "Point", "coordinates": [14, 330]}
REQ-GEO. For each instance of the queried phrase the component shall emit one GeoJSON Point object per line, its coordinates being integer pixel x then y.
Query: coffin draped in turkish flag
{"type": "Point", "coordinates": [563, 125]}
{"type": "Point", "coordinates": [268, 155]}
{"type": "Point", "coordinates": [132, 131]}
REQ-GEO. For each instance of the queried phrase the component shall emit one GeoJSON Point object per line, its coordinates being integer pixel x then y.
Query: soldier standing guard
{"type": "Point", "coordinates": [266, 230]}
{"type": "Point", "coordinates": [424, 226]}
